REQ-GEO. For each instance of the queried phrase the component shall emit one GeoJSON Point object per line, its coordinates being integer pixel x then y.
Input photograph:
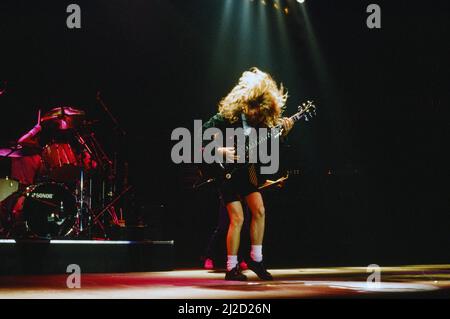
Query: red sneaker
{"type": "Point", "coordinates": [209, 264]}
{"type": "Point", "coordinates": [243, 265]}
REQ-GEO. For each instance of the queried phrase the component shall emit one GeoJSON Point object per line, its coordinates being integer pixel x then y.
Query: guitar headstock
{"type": "Point", "coordinates": [308, 110]}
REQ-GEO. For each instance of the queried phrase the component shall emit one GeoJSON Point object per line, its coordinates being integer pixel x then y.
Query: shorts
{"type": "Point", "coordinates": [236, 188]}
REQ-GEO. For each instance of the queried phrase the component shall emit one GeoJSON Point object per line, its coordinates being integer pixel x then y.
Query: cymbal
{"type": "Point", "coordinates": [19, 151]}
{"type": "Point", "coordinates": [63, 118]}
{"type": "Point", "coordinates": [60, 111]}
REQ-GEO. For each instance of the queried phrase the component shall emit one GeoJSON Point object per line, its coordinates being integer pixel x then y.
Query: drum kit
{"type": "Point", "coordinates": [74, 186]}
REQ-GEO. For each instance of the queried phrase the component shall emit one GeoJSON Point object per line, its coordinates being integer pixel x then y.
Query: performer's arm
{"type": "Point", "coordinates": [218, 121]}
{"type": "Point", "coordinates": [28, 138]}
{"type": "Point", "coordinates": [287, 125]}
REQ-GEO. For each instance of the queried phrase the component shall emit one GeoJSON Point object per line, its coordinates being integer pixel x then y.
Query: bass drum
{"type": "Point", "coordinates": [47, 210]}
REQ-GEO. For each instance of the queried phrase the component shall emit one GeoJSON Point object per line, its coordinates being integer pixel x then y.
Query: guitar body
{"type": "Point", "coordinates": [219, 173]}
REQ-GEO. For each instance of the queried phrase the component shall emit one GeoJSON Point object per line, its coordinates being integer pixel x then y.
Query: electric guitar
{"type": "Point", "coordinates": [222, 172]}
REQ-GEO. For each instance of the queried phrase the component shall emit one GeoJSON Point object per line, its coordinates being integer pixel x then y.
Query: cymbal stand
{"type": "Point", "coordinates": [81, 204]}
{"type": "Point", "coordinates": [85, 212]}
{"type": "Point", "coordinates": [108, 185]}
{"type": "Point", "coordinates": [100, 152]}
{"type": "Point", "coordinates": [109, 206]}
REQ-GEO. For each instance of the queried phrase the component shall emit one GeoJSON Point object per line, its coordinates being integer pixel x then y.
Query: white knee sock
{"type": "Point", "coordinates": [232, 262]}
{"type": "Point", "coordinates": [256, 253]}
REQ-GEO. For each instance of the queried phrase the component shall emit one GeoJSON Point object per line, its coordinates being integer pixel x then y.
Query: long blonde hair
{"type": "Point", "coordinates": [255, 89]}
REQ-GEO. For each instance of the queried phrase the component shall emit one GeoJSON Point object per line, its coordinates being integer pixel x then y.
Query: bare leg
{"type": "Point", "coordinates": [236, 215]}
{"type": "Point", "coordinates": [256, 205]}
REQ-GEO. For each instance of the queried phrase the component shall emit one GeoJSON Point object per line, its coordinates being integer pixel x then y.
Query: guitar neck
{"type": "Point", "coordinates": [296, 117]}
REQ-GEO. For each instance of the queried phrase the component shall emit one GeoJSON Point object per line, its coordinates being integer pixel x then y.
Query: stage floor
{"type": "Point", "coordinates": [342, 282]}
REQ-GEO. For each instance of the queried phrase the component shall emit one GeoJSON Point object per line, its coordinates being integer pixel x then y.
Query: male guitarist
{"type": "Point", "coordinates": [256, 101]}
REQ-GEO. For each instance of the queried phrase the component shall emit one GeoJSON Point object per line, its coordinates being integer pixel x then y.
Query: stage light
{"type": "Point", "coordinates": [300, 1]}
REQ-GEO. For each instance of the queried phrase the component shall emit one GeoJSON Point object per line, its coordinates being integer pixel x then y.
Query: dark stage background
{"type": "Point", "coordinates": [373, 167]}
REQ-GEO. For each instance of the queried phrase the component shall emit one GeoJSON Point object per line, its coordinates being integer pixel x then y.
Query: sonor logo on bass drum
{"type": "Point", "coordinates": [42, 195]}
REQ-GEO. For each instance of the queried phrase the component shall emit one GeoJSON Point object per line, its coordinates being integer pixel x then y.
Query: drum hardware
{"type": "Point", "coordinates": [80, 177]}
{"type": "Point", "coordinates": [108, 207]}
{"type": "Point", "coordinates": [94, 148]}
{"type": "Point", "coordinates": [20, 150]}
{"type": "Point", "coordinates": [81, 203]}
{"type": "Point", "coordinates": [83, 143]}
{"type": "Point", "coordinates": [100, 153]}
{"type": "Point", "coordinates": [112, 167]}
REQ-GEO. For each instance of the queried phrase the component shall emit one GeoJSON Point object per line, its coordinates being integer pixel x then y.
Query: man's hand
{"type": "Point", "coordinates": [287, 124]}
{"type": "Point", "coordinates": [230, 153]}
